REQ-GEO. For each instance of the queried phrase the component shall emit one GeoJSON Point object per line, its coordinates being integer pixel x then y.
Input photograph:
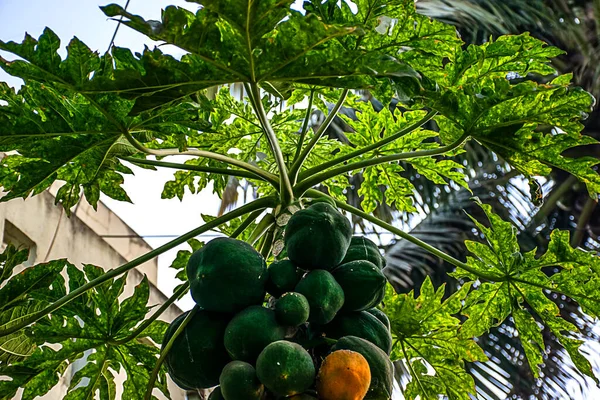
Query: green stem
{"type": "Point", "coordinates": [165, 352]}
{"type": "Point", "coordinates": [285, 187]}
{"type": "Point", "coordinates": [304, 130]}
{"type": "Point", "coordinates": [190, 167]}
{"type": "Point", "coordinates": [180, 292]}
{"type": "Point", "coordinates": [268, 242]}
{"type": "Point", "coordinates": [297, 165]}
{"type": "Point", "coordinates": [249, 219]}
{"type": "Point", "coordinates": [243, 210]}
{"type": "Point", "coordinates": [410, 368]}
{"type": "Point", "coordinates": [353, 210]}
{"type": "Point", "coordinates": [366, 149]}
{"type": "Point", "coordinates": [584, 218]}
{"type": "Point", "coordinates": [204, 154]}
{"type": "Point", "coordinates": [309, 182]}
{"type": "Point", "coordinates": [264, 224]}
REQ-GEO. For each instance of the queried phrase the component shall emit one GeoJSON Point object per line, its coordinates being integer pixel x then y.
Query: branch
{"type": "Point", "coordinates": [438, 253]}
{"type": "Point", "coordinates": [189, 167]}
{"type": "Point", "coordinates": [295, 168]}
{"type": "Point", "coordinates": [267, 176]}
{"type": "Point", "coordinates": [247, 208]}
{"type": "Point", "coordinates": [249, 219]}
{"type": "Point", "coordinates": [361, 151]}
{"type": "Point", "coordinates": [584, 218]}
{"type": "Point", "coordinates": [309, 182]}
{"type": "Point", "coordinates": [285, 187]}
{"type": "Point", "coordinates": [165, 352]}
{"type": "Point", "coordinates": [304, 126]}
{"type": "Point", "coordinates": [180, 292]}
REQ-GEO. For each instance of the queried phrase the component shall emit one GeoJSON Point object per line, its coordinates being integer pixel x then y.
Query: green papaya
{"type": "Point", "coordinates": [238, 381]}
{"type": "Point", "coordinates": [361, 324]}
{"type": "Point", "coordinates": [317, 237]}
{"type": "Point", "coordinates": [292, 309]}
{"type": "Point", "coordinates": [198, 353]}
{"type": "Point", "coordinates": [227, 275]}
{"type": "Point", "coordinates": [363, 284]}
{"type": "Point", "coordinates": [250, 331]}
{"type": "Point", "coordinates": [325, 296]}
{"type": "Point", "coordinates": [283, 277]}
{"type": "Point", "coordinates": [382, 369]}
{"type": "Point", "coordinates": [381, 316]}
{"type": "Point", "coordinates": [285, 368]}
{"type": "Point", "coordinates": [362, 248]}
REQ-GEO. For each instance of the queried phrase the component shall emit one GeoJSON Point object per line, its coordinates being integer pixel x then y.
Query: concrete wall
{"type": "Point", "coordinates": [38, 222]}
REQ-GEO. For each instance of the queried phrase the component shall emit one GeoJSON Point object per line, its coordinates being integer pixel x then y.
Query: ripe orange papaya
{"type": "Point", "coordinates": [344, 375]}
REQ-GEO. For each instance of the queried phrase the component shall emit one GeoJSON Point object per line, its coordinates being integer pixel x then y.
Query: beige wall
{"type": "Point", "coordinates": [79, 240]}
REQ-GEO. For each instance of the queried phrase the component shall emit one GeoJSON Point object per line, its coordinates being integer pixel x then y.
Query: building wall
{"type": "Point", "coordinates": [38, 223]}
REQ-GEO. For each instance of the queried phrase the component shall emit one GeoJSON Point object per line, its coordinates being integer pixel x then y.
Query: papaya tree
{"type": "Point", "coordinates": [82, 120]}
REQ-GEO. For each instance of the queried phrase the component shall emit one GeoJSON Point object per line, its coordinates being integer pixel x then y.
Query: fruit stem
{"type": "Point", "coordinates": [165, 352]}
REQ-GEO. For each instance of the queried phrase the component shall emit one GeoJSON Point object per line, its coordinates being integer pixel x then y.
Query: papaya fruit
{"type": "Point", "coordinates": [250, 331]}
{"type": "Point", "coordinates": [325, 296]}
{"type": "Point", "coordinates": [283, 277]}
{"type": "Point", "coordinates": [238, 381]}
{"type": "Point", "coordinates": [344, 375]}
{"type": "Point", "coordinates": [227, 275]}
{"type": "Point", "coordinates": [285, 368]}
{"type": "Point", "coordinates": [198, 354]}
{"type": "Point", "coordinates": [317, 237]}
{"type": "Point", "coordinates": [361, 324]}
{"type": "Point", "coordinates": [363, 284]}
{"type": "Point", "coordinates": [382, 369]}
{"type": "Point", "coordinates": [216, 394]}
{"type": "Point", "coordinates": [292, 309]}
{"type": "Point", "coordinates": [381, 316]}
{"type": "Point", "coordinates": [362, 248]}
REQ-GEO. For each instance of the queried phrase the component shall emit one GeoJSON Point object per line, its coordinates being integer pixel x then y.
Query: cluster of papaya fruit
{"type": "Point", "coordinates": [318, 335]}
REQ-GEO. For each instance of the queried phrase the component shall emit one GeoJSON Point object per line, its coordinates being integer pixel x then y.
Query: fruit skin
{"type": "Point", "coordinates": [361, 324]}
{"type": "Point", "coordinates": [216, 394]}
{"type": "Point", "coordinates": [317, 237]}
{"type": "Point", "coordinates": [325, 296]}
{"type": "Point", "coordinates": [227, 275]}
{"type": "Point", "coordinates": [344, 375]}
{"type": "Point", "coordinates": [281, 361]}
{"type": "Point", "coordinates": [381, 316]}
{"type": "Point", "coordinates": [198, 354]}
{"type": "Point", "coordinates": [362, 248]}
{"type": "Point", "coordinates": [363, 284]}
{"type": "Point", "coordinates": [283, 277]}
{"type": "Point", "coordinates": [382, 369]}
{"type": "Point", "coordinates": [238, 381]}
{"type": "Point", "coordinates": [292, 309]}
{"type": "Point", "coordinates": [250, 331]}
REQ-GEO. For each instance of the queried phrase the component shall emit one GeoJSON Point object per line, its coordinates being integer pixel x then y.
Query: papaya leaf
{"type": "Point", "coordinates": [519, 286]}
{"type": "Point", "coordinates": [426, 332]}
{"type": "Point", "coordinates": [88, 331]}
{"type": "Point", "coordinates": [182, 258]}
